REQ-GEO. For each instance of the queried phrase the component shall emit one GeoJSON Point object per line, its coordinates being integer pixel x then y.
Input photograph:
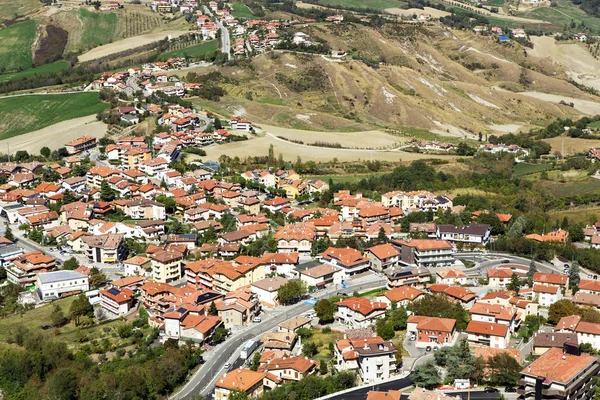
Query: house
{"type": "Point", "coordinates": [25, 267]}
{"type": "Point", "coordinates": [431, 330]}
{"type": "Point", "coordinates": [587, 299]}
{"type": "Point", "coordinates": [401, 295]}
{"type": "Point", "coordinates": [555, 280]}
{"type": "Point", "coordinates": [372, 357]}
{"type": "Point", "coordinates": [587, 332]}
{"type": "Point", "coordinates": [293, 324]}
{"type": "Point", "coordinates": [489, 334]}
{"type": "Point", "coordinates": [296, 238]}
{"type": "Point", "coordinates": [182, 324]}
{"type": "Point", "coordinates": [322, 275]}
{"type": "Point", "coordinates": [57, 284]}
{"type": "Point", "coordinates": [138, 266]}
{"type": "Point", "coordinates": [425, 252]}
{"type": "Point", "coordinates": [279, 341]}
{"type": "Point", "coordinates": [547, 295]}
{"type": "Point", "coordinates": [544, 341]}
{"type": "Point", "coordinates": [349, 260]}
{"type": "Point", "coordinates": [358, 312]}
{"type": "Point", "coordinates": [238, 307]}
{"type": "Point", "coordinates": [290, 368]}
{"type": "Point", "coordinates": [397, 276]}
{"type": "Point", "coordinates": [382, 256]}
{"type": "Point", "coordinates": [389, 395]}
{"type": "Point", "coordinates": [558, 235]}
{"type": "Point", "coordinates": [589, 286]}
{"type": "Point", "coordinates": [117, 301]}
{"type": "Point", "coordinates": [457, 294]}
{"type": "Point", "coordinates": [560, 374]}
{"type": "Point", "coordinates": [478, 234]}
{"type": "Point", "coordinates": [145, 209]}
{"type": "Point", "coordinates": [240, 379]}
{"type": "Point", "coordinates": [451, 277]}
{"type": "Point", "coordinates": [266, 289]}
{"type": "Point", "coordinates": [496, 313]}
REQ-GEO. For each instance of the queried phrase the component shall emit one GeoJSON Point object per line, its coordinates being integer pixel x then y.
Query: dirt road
{"type": "Point", "coordinates": [129, 43]}
{"type": "Point", "coordinates": [434, 12]}
{"type": "Point", "coordinates": [579, 63]}
{"type": "Point", "coordinates": [584, 106]}
{"type": "Point", "coordinates": [55, 136]}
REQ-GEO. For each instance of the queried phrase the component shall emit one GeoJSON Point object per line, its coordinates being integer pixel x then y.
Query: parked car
{"type": "Point", "coordinates": [505, 261]}
{"type": "Point", "coordinates": [413, 337]}
{"type": "Point", "coordinates": [435, 348]}
{"type": "Point", "coordinates": [256, 319]}
{"type": "Point", "coordinates": [227, 366]}
{"type": "Point", "coordinates": [510, 389]}
{"type": "Point", "coordinates": [428, 348]}
{"type": "Point", "coordinates": [490, 390]}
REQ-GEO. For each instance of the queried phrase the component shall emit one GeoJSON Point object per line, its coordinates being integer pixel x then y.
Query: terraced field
{"type": "Point", "coordinates": [15, 46]}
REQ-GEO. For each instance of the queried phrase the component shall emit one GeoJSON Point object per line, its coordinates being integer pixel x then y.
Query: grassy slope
{"type": "Point", "coordinates": [99, 29]}
{"type": "Point", "coordinates": [526, 169]}
{"type": "Point", "coordinates": [191, 51]}
{"type": "Point", "coordinates": [9, 9]}
{"type": "Point", "coordinates": [240, 10]}
{"type": "Point", "coordinates": [42, 69]}
{"type": "Point", "coordinates": [24, 114]}
{"type": "Point", "coordinates": [563, 14]}
{"type": "Point", "coordinates": [15, 45]}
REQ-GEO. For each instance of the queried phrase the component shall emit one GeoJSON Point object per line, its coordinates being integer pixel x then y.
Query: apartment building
{"type": "Point", "coordinates": [118, 301]}
{"type": "Point", "coordinates": [240, 379]}
{"type": "Point", "coordinates": [108, 248]}
{"type": "Point", "coordinates": [349, 260]}
{"type": "Point", "coordinates": [382, 256]}
{"type": "Point", "coordinates": [489, 334]}
{"type": "Point", "coordinates": [296, 238]}
{"type": "Point", "coordinates": [166, 266]}
{"type": "Point", "coordinates": [358, 312]}
{"type": "Point", "coordinates": [24, 268]}
{"type": "Point", "coordinates": [425, 252]}
{"type": "Point", "coordinates": [372, 357]}
{"type": "Point", "coordinates": [497, 314]}
{"type": "Point", "coordinates": [431, 330]}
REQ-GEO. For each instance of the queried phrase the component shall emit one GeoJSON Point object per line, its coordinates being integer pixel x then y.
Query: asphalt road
{"type": "Point", "coordinates": [225, 41]}
{"type": "Point", "coordinates": [204, 379]}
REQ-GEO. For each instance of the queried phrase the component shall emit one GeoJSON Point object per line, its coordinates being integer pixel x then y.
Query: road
{"type": "Point", "coordinates": [225, 40]}
{"type": "Point", "coordinates": [204, 379]}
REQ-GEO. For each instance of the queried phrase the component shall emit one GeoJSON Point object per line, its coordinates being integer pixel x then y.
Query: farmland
{"type": "Point", "coordinates": [10, 9]}
{"type": "Point", "coordinates": [526, 169]}
{"type": "Point", "coordinates": [191, 51]}
{"type": "Point", "coordinates": [22, 114]}
{"type": "Point", "coordinates": [240, 10]}
{"type": "Point", "coordinates": [15, 46]}
{"type": "Point", "coordinates": [42, 69]}
{"type": "Point", "coordinates": [566, 183]}
{"type": "Point", "coordinates": [98, 29]}
{"type": "Point", "coordinates": [563, 14]}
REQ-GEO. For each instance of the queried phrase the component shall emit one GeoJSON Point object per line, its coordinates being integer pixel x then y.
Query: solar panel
{"type": "Point", "coordinates": [181, 310]}
{"type": "Point", "coordinates": [114, 291]}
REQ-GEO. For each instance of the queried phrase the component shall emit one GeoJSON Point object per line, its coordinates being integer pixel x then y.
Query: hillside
{"type": "Point", "coordinates": [457, 84]}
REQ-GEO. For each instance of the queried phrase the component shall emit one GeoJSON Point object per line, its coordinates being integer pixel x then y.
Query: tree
{"type": "Point", "coordinates": [324, 311]}
{"type": "Point", "coordinates": [255, 363]}
{"type": "Point", "coordinates": [81, 307]}
{"type": "Point", "coordinates": [62, 384]}
{"type": "Point", "coordinates": [381, 236]}
{"type": "Point", "coordinates": [8, 234]}
{"type": "Point", "coordinates": [559, 309]}
{"type": "Point", "coordinates": [309, 349]}
{"type": "Point", "coordinates": [220, 334]}
{"type": "Point", "coordinates": [576, 233]}
{"type": "Point", "coordinates": [514, 284]}
{"type": "Point", "coordinates": [304, 333]}
{"type": "Point", "coordinates": [212, 310]}
{"type": "Point", "coordinates": [386, 331]}
{"type": "Point", "coordinates": [97, 277]}
{"type": "Point", "coordinates": [71, 264]}
{"type": "Point", "coordinates": [291, 291]}
{"type": "Point", "coordinates": [323, 367]}
{"type": "Point", "coordinates": [58, 317]}
{"type": "Point", "coordinates": [503, 369]}
{"type": "Point", "coordinates": [238, 395]}
{"type": "Point", "coordinates": [426, 375]}
{"type": "Point", "coordinates": [228, 223]}
{"type": "Point", "coordinates": [45, 152]}
{"type": "Point", "coordinates": [106, 192]}
{"type": "Point", "coordinates": [574, 277]}
{"type": "Point", "coordinates": [217, 124]}
{"type": "Point", "coordinates": [532, 270]}
{"type": "Point", "coordinates": [169, 203]}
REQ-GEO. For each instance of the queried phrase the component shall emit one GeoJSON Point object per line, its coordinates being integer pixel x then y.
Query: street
{"type": "Point", "coordinates": [225, 41]}
{"type": "Point", "coordinates": [205, 378]}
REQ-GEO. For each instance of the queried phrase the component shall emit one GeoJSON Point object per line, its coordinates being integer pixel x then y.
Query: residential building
{"type": "Point", "coordinates": [80, 144]}
{"type": "Point", "coordinates": [349, 260]}
{"type": "Point", "coordinates": [402, 295]}
{"type": "Point", "coordinates": [359, 312]}
{"type": "Point", "coordinates": [431, 330]}
{"type": "Point", "coordinates": [108, 248]}
{"type": "Point", "coordinates": [544, 341]}
{"type": "Point", "coordinates": [240, 379]}
{"type": "Point", "coordinates": [546, 295]}
{"type": "Point", "coordinates": [425, 252]}
{"type": "Point", "coordinates": [372, 357]}
{"type": "Point", "coordinates": [290, 368]}
{"type": "Point", "coordinates": [322, 275]}
{"type": "Point", "coordinates": [296, 238]}
{"type": "Point", "coordinates": [266, 289]}
{"type": "Point", "coordinates": [293, 324]}
{"type": "Point", "coordinates": [382, 256]}
{"type": "Point", "coordinates": [118, 301]}
{"type": "Point", "coordinates": [57, 284]}
{"type": "Point", "coordinates": [166, 266]}
{"type": "Point", "coordinates": [496, 313]}
{"type": "Point", "coordinates": [559, 374]}
{"type": "Point", "coordinates": [24, 268]}
{"type": "Point", "coordinates": [477, 234]}
{"type": "Point", "coordinates": [182, 324]}
{"type": "Point", "coordinates": [396, 276]}
{"type": "Point", "coordinates": [489, 334]}
{"type": "Point", "coordinates": [451, 277]}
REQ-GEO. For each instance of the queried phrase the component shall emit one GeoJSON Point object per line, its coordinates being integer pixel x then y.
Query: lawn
{"type": "Point", "coordinates": [98, 28]}
{"type": "Point", "coordinates": [586, 216]}
{"type": "Point", "coordinates": [42, 69]}
{"type": "Point", "coordinates": [191, 51]}
{"type": "Point", "coordinates": [526, 169]}
{"type": "Point", "coordinates": [32, 319]}
{"type": "Point", "coordinates": [563, 14]}
{"type": "Point", "coordinates": [240, 10]}
{"type": "Point", "coordinates": [22, 114]}
{"type": "Point", "coordinates": [370, 4]}
{"type": "Point", "coordinates": [15, 45]}
{"type": "Point", "coordinates": [373, 293]}
{"type": "Point", "coordinates": [594, 125]}
{"type": "Point", "coordinates": [323, 341]}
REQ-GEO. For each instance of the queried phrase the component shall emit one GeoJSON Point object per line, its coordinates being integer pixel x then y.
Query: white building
{"type": "Point", "coordinates": [266, 289]}
{"type": "Point", "coordinates": [547, 295]}
{"type": "Point", "coordinates": [373, 358]}
{"type": "Point", "coordinates": [496, 336]}
{"type": "Point", "coordinates": [56, 284]}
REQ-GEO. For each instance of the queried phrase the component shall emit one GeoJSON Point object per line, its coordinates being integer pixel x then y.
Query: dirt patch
{"type": "Point", "coordinates": [129, 43]}
{"type": "Point", "coordinates": [506, 128]}
{"type": "Point", "coordinates": [580, 65]}
{"type": "Point", "coordinates": [55, 136]}
{"type": "Point", "coordinates": [435, 13]}
{"type": "Point", "coordinates": [290, 151]}
{"type": "Point", "coordinates": [584, 106]}
{"type": "Point", "coordinates": [51, 45]}
{"type": "Point", "coordinates": [571, 145]}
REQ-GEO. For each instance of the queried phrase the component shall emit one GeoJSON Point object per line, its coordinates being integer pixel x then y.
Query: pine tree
{"type": "Point", "coordinates": [212, 310]}
{"type": "Point", "coordinates": [8, 234]}
{"type": "Point", "coordinates": [106, 192]}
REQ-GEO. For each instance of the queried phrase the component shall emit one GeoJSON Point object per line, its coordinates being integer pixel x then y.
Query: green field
{"type": "Point", "coordinates": [526, 169]}
{"type": "Point", "coordinates": [42, 69]}
{"type": "Point", "coordinates": [240, 10]}
{"type": "Point", "coordinates": [191, 51]}
{"type": "Point", "coordinates": [98, 29]}
{"type": "Point", "coordinates": [10, 9]}
{"type": "Point", "coordinates": [566, 183]}
{"type": "Point", "coordinates": [371, 4]}
{"type": "Point", "coordinates": [22, 114]}
{"type": "Point", "coordinates": [594, 125]}
{"type": "Point", "coordinates": [563, 14]}
{"type": "Point", "coordinates": [15, 46]}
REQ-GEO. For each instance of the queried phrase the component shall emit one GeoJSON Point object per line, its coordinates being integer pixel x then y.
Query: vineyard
{"type": "Point", "coordinates": [192, 48]}
{"type": "Point", "coordinates": [133, 24]}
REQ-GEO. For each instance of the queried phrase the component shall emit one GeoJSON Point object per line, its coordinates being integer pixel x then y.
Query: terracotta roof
{"type": "Point", "coordinates": [557, 366]}
{"type": "Point", "coordinates": [588, 327]}
{"type": "Point", "coordinates": [568, 323]}
{"type": "Point", "coordinates": [538, 288]}
{"type": "Point", "coordinates": [298, 363]}
{"type": "Point", "coordinates": [384, 251]}
{"type": "Point", "coordinates": [591, 285]}
{"type": "Point", "coordinates": [432, 323]}
{"type": "Point", "coordinates": [402, 293]}
{"type": "Point", "coordinates": [487, 328]}
{"type": "Point", "coordinates": [240, 379]}
{"type": "Point", "coordinates": [426, 244]}
{"type": "Point", "coordinates": [554, 279]}
{"type": "Point", "coordinates": [347, 257]}
{"type": "Point", "coordinates": [389, 395]}
{"type": "Point", "coordinates": [362, 305]}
